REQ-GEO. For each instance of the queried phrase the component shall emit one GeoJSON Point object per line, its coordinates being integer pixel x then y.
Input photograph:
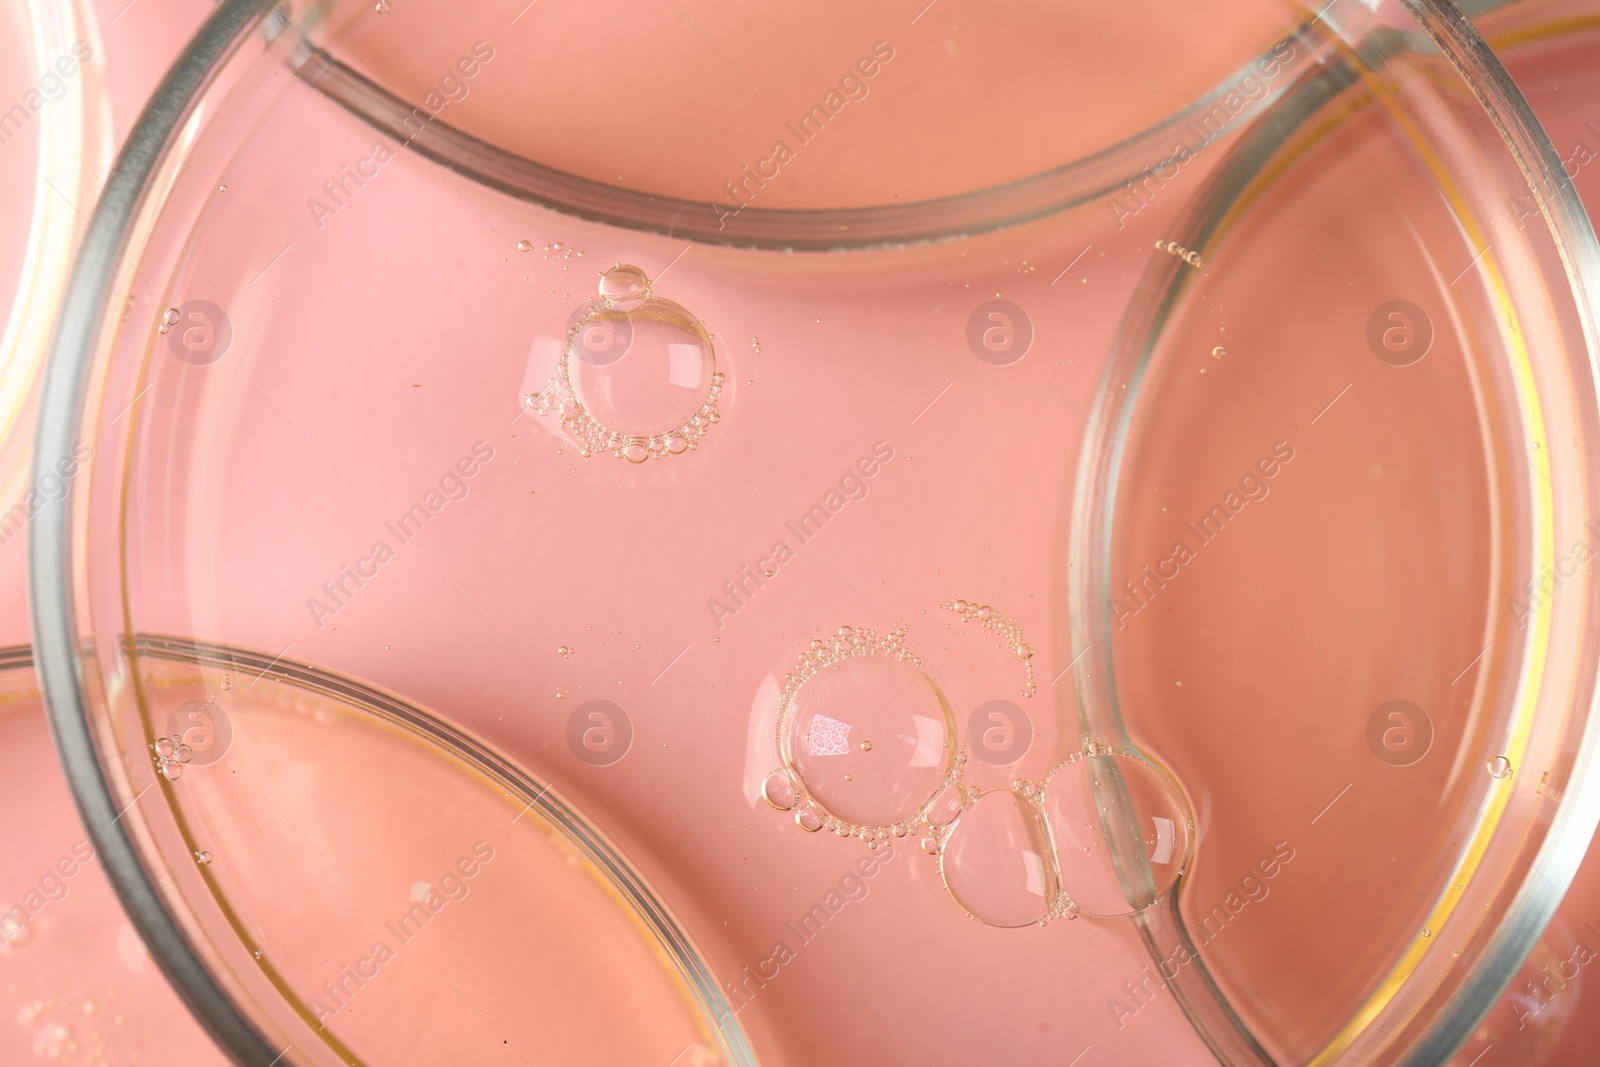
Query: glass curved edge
{"type": "Point", "coordinates": [1570, 831]}
{"type": "Point", "coordinates": [1573, 827]}
{"type": "Point", "coordinates": [50, 549]}
{"type": "Point", "coordinates": [789, 230]}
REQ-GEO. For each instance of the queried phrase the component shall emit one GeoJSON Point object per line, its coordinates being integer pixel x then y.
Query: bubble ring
{"type": "Point", "coordinates": [789, 790]}
{"type": "Point", "coordinates": [560, 394]}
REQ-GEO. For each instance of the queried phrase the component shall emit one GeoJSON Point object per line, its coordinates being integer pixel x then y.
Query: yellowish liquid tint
{"type": "Point", "coordinates": [375, 877]}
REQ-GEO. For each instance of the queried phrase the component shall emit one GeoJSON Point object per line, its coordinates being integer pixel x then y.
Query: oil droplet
{"type": "Point", "coordinates": [638, 375]}
{"type": "Point", "coordinates": [945, 807]}
{"type": "Point", "coordinates": [524, 245]}
{"type": "Point", "coordinates": [1218, 352]}
{"type": "Point", "coordinates": [1121, 828]}
{"type": "Point", "coordinates": [778, 790]}
{"type": "Point", "coordinates": [1500, 767]}
{"type": "Point", "coordinates": [995, 864]}
{"type": "Point", "coordinates": [624, 286]}
{"type": "Point", "coordinates": [865, 685]}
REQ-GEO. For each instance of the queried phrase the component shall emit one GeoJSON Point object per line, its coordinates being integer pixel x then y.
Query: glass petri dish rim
{"type": "Point", "coordinates": [784, 229]}
{"type": "Point", "coordinates": [1573, 826]}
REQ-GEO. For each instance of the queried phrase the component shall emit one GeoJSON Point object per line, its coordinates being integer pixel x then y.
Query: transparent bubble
{"type": "Point", "coordinates": [658, 382]}
{"type": "Point", "coordinates": [172, 771]}
{"type": "Point", "coordinates": [996, 863]}
{"type": "Point", "coordinates": [778, 790]}
{"type": "Point", "coordinates": [1121, 831]}
{"type": "Point", "coordinates": [1500, 767]}
{"type": "Point", "coordinates": [945, 807]}
{"type": "Point", "coordinates": [638, 377]}
{"type": "Point", "coordinates": [873, 691]}
{"type": "Point", "coordinates": [808, 820]}
{"type": "Point", "coordinates": [624, 285]}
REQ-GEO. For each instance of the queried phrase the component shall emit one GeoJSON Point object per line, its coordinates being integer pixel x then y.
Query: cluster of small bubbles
{"type": "Point", "coordinates": [1003, 626]}
{"type": "Point", "coordinates": [1500, 767]}
{"type": "Point", "coordinates": [1173, 248]}
{"type": "Point", "coordinates": [755, 343]}
{"type": "Point", "coordinates": [169, 319]}
{"type": "Point", "coordinates": [202, 856]}
{"type": "Point", "coordinates": [170, 756]}
{"type": "Point", "coordinates": [556, 253]}
{"type": "Point", "coordinates": [1106, 833]}
{"type": "Point", "coordinates": [565, 651]}
{"type": "Point", "coordinates": [625, 299]}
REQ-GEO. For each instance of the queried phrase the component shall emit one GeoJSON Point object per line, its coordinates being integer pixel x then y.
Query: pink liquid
{"type": "Point", "coordinates": [75, 981]}
{"type": "Point", "coordinates": [360, 482]}
{"type": "Point", "coordinates": [533, 549]}
{"type": "Point", "coordinates": [679, 101]}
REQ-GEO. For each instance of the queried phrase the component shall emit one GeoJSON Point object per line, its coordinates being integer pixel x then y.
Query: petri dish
{"type": "Point", "coordinates": [739, 592]}
{"type": "Point", "coordinates": [1348, 670]}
